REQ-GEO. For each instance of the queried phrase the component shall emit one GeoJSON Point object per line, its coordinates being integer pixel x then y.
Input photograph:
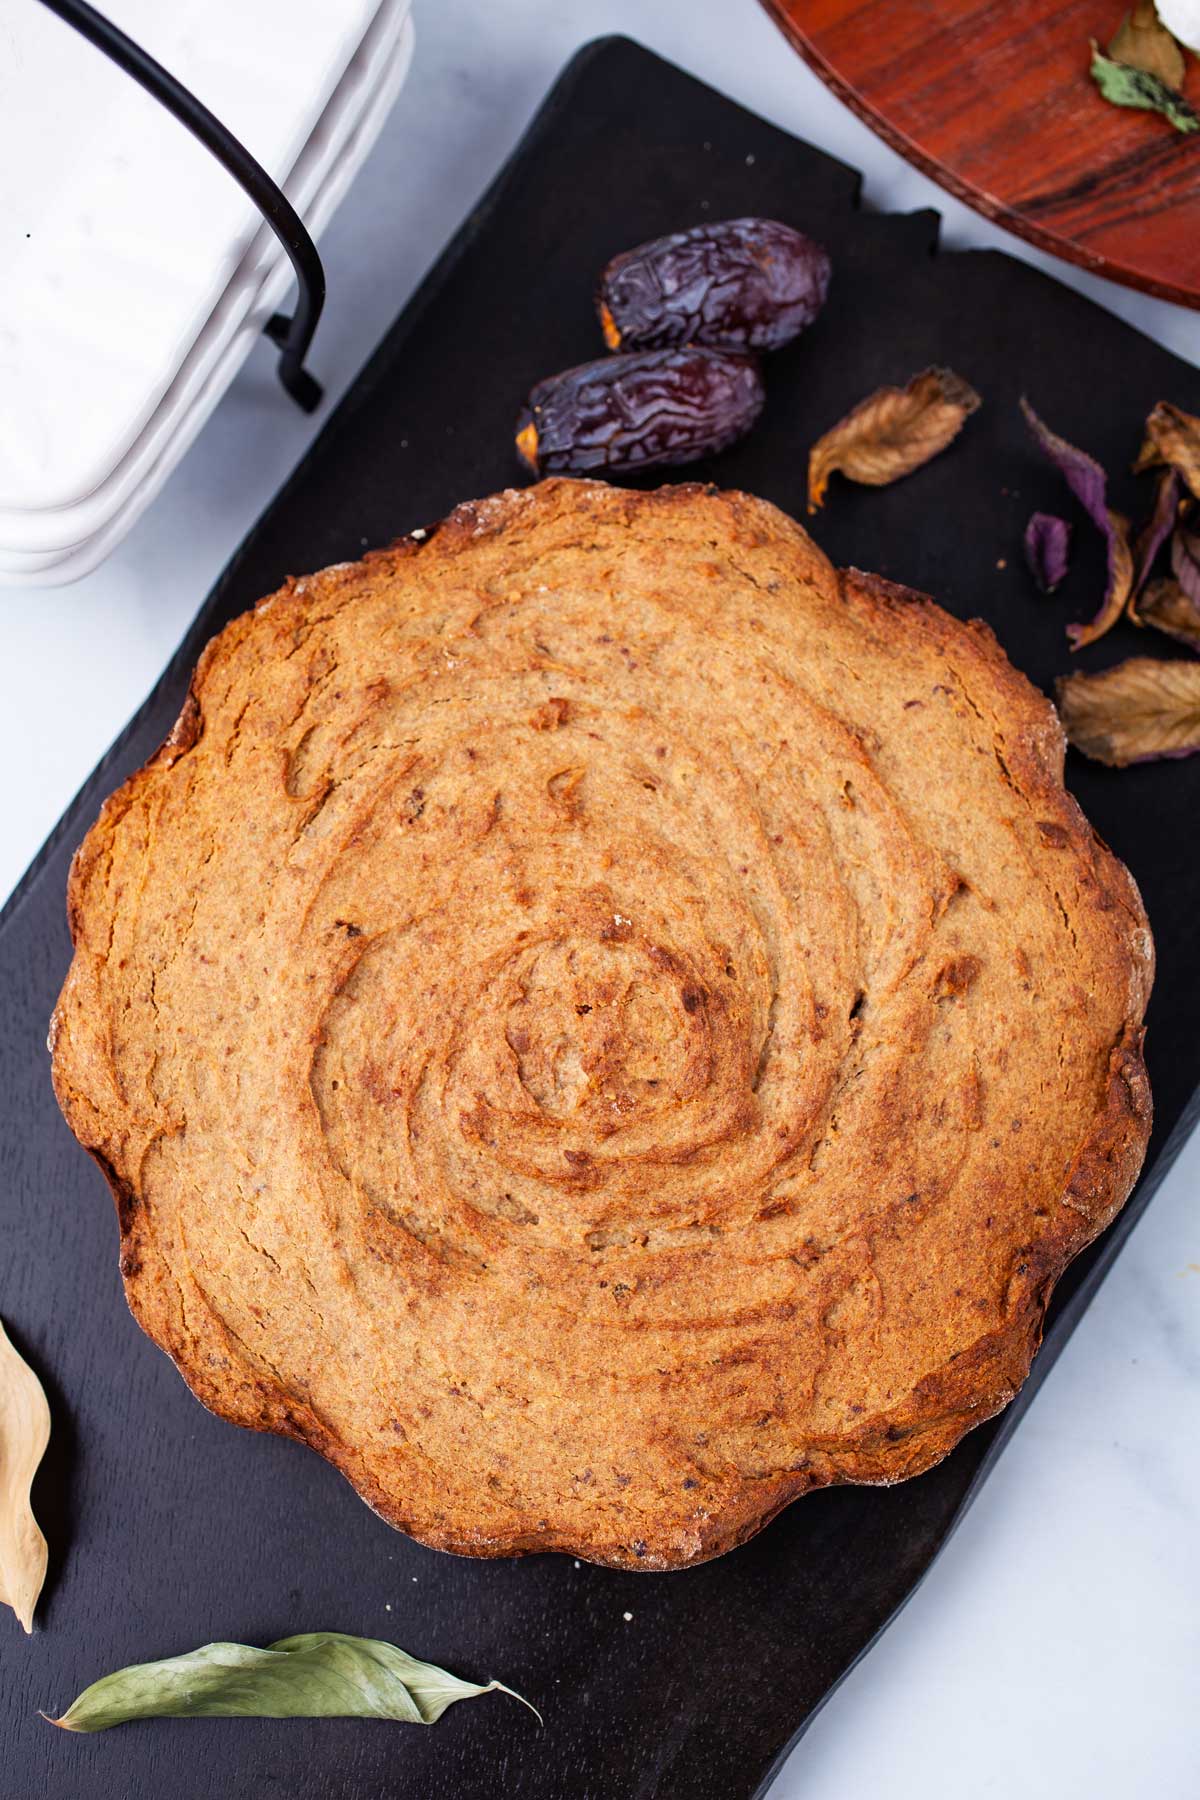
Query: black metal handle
{"type": "Point", "coordinates": [293, 335]}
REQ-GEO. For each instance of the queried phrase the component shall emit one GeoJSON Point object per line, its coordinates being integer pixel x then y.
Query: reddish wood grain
{"type": "Point", "coordinates": [995, 102]}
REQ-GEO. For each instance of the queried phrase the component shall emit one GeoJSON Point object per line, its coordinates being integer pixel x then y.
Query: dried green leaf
{"type": "Point", "coordinates": [1137, 87]}
{"type": "Point", "coordinates": [1164, 605]}
{"type": "Point", "coordinates": [892, 432]}
{"type": "Point", "coordinates": [1172, 437]}
{"type": "Point", "coordinates": [1143, 42]}
{"type": "Point", "coordinates": [24, 1434]}
{"type": "Point", "coordinates": [320, 1674]}
{"type": "Point", "coordinates": [1138, 711]}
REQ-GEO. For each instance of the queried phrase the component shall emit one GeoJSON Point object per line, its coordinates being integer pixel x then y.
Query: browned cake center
{"type": "Point", "coordinates": [599, 1024]}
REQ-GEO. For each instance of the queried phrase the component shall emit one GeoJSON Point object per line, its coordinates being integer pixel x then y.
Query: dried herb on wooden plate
{"type": "Point", "coordinates": [1124, 86]}
{"type": "Point", "coordinates": [1141, 710]}
{"type": "Point", "coordinates": [320, 1674]}
{"type": "Point", "coordinates": [1047, 549]}
{"type": "Point", "coordinates": [24, 1434]}
{"type": "Point", "coordinates": [1087, 481]}
{"type": "Point", "coordinates": [892, 432]}
{"type": "Point", "coordinates": [1143, 42]}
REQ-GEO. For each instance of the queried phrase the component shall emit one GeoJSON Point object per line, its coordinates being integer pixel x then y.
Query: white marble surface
{"type": "Point", "coordinates": [1054, 1648]}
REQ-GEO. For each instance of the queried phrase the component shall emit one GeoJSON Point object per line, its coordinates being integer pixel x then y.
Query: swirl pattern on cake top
{"type": "Point", "coordinates": [600, 1023]}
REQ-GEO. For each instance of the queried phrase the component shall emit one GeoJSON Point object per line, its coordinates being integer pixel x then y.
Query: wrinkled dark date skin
{"type": "Point", "coordinates": [749, 284]}
{"type": "Point", "coordinates": [632, 412]}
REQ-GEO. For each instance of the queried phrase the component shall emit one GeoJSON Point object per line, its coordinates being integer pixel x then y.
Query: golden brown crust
{"type": "Point", "coordinates": [599, 1024]}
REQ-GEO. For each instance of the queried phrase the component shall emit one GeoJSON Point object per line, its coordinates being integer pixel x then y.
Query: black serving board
{"type": "Point", "coordinates": [168, 1527]}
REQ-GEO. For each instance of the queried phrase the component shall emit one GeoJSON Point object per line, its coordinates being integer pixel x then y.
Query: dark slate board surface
{"type": "Point", "coordinates": [168, 1527]}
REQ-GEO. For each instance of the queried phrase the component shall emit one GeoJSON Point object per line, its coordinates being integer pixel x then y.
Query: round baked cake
{"type": "Point", "coordinates": [599, 1023]}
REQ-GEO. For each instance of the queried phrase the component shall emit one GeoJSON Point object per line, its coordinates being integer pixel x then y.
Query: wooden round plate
{"type": "Point", "coordinates": [996, 103]}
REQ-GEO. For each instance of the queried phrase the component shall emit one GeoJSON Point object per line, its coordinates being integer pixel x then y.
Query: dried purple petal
{"type": "Point", "coordinates": [1087, 481]}
{"type": "Point", "coordinates": [1157, 528]}
{"type": "Point", "coordinates": [1047, 549]}
{"type": "Point", "coordinates": [1082, 473]}
{"type": "Point", "coordinates": [1185, 562]}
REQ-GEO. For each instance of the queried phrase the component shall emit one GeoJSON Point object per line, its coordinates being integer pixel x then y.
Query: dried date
{"type": "Point", "coordinates": [750, 284]}
{"type": "Point", "coordinates": [632, 412]}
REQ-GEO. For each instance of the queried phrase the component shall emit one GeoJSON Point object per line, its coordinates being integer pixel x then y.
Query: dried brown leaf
{"type": "Point", "coordinates": [1172, 437]}
{"type": "Point", "coordinates": [1164, 605]}
{"type": "Point", "coordinates": [24, 1434]}
{"type": "Point", "coordinates": [1143, 42]}
{"type": "Point", "coordinates": [1120, 586]}
{"type": "Point", "coordinates": [1140, 710]}
{"type": "Point", "coordinates": [892, 432]}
